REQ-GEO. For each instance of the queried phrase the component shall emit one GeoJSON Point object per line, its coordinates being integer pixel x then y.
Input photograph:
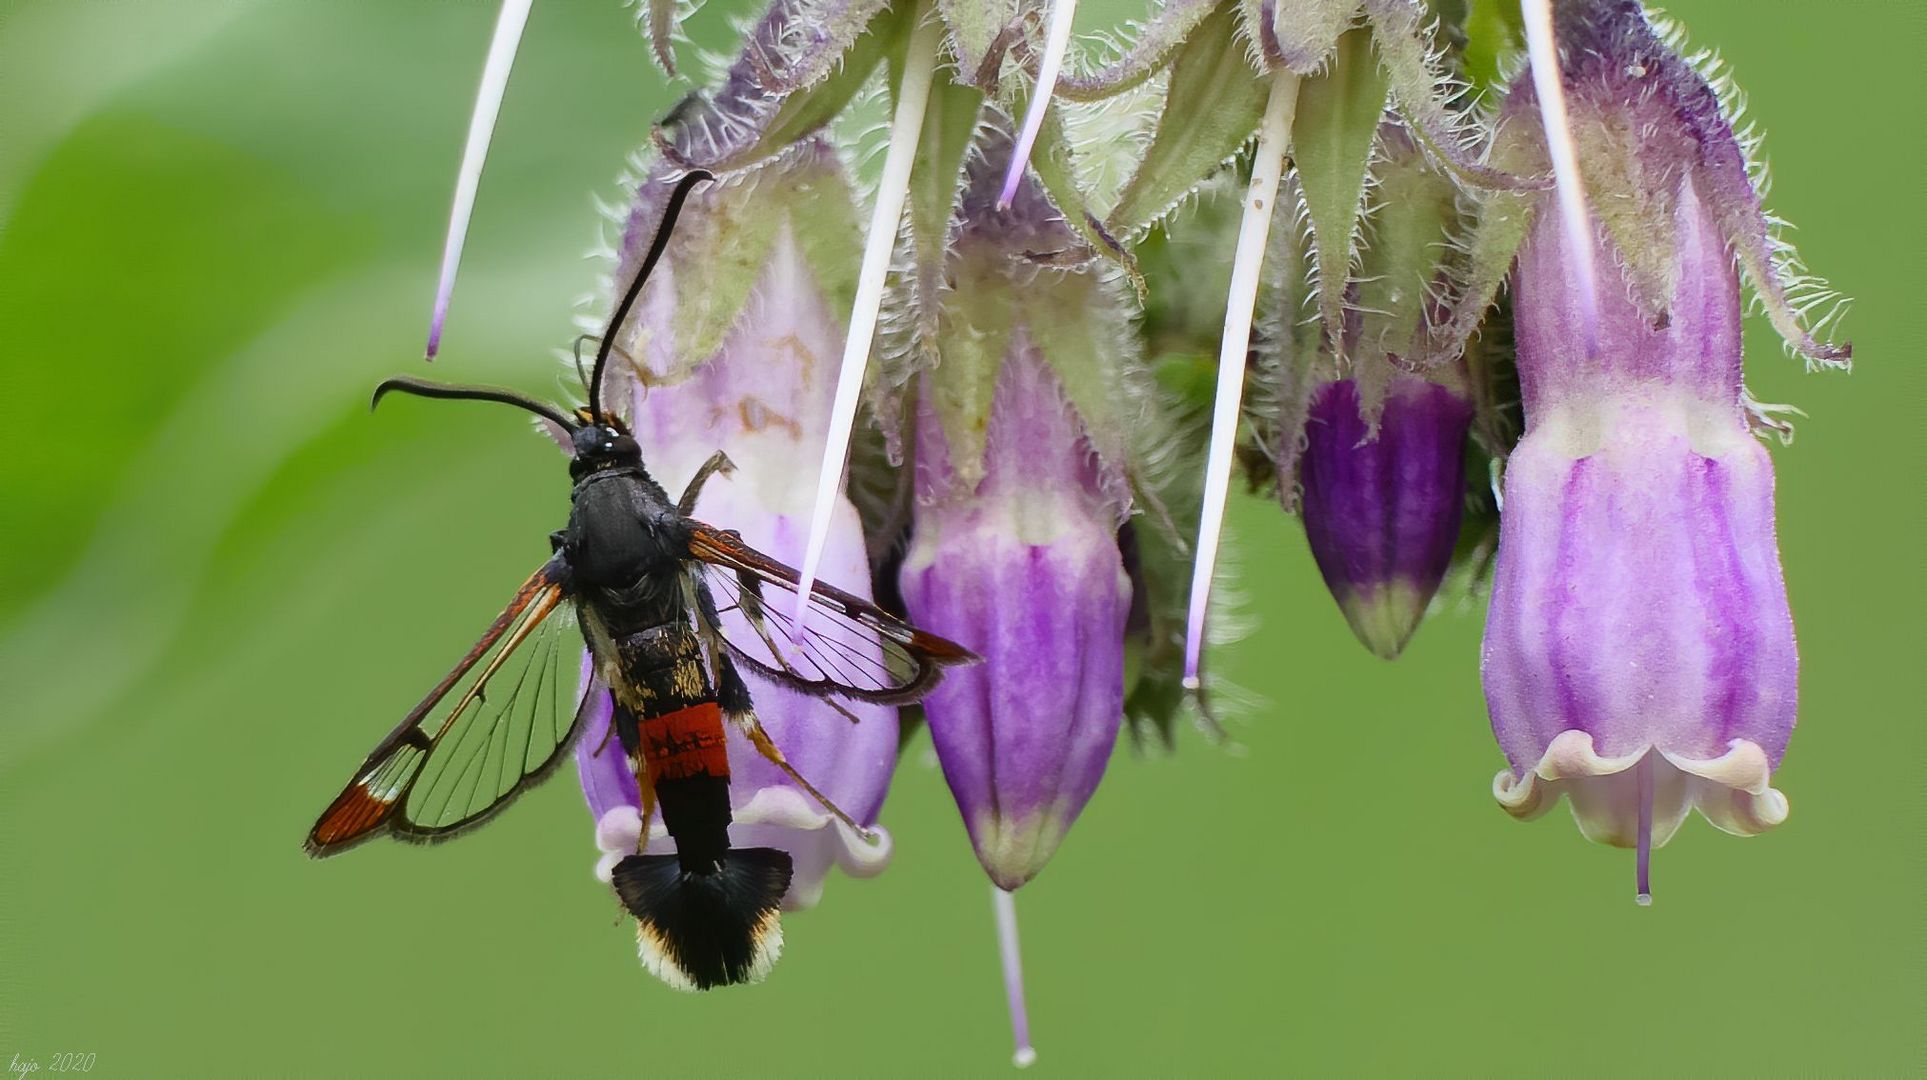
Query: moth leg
{"type": "Point", "coordinates": [718, 463]}
{"type": "Point", "coordinates": [648, 811]}
{"type": "Point", "coordinates": [629, 729]}
{"type": "Point", "coordinates": [732, 696]}
{"type": "Point", "coordinates": [750, 603]}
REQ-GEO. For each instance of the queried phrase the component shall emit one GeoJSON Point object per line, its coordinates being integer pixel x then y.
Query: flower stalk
{"type": "Point", "coordinates": [1063, 15]}
{"type": "Point", "coordinates": [1247, 264]}
{"type": "Point", "coordinates": [1569, 185]}
{"type": "Point", "coordinates": [481, 131]}
{"type": "Point", "coordinates": [906, 128]}
{"type": "Point", "coordinates": [1010, 955]}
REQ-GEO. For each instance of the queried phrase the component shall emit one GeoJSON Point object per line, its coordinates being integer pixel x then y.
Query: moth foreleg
{"type": "Point", "coordinates": [718, 462]}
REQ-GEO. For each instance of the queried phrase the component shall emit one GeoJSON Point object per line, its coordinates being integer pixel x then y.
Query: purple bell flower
{"type": "Point", "coordinates": [1020, 489]}
{"type": "Point", "coordinates": [763, 393]}
{"type": "Point", "coordinates": [1025, 567]}
{"type": "Point", "coordinates": [1382, 509]}
{"type": "Point", "coordinates": [1639, 652]}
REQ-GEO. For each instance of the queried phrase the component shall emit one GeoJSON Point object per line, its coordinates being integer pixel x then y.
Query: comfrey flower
{"type": "Point", "coordinates": [1320, 77]}
{"type": "Point", "coordinates": [1021, 490]}
{"type": "Point", "coordinates": [1024, 561]}
{"type": "Point", "coordinates": [731, 349]}
{"type": "Point", "coordinates": [1639, 652]}
{"type": "Point", "coordinates": [1382, 508]}
{"type": "Point", "coordinates": [1371, 431]}
{"type": "Point", "coordinates": [1014, 543]}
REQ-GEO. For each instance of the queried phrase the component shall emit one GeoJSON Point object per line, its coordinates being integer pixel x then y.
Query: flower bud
{"type": "Point", "coordinates": [1379, 453]}
{"type": "Point", "coordinates": [1014, 550]}
{"type": "Point", "coordinates": [1025, 568]}
{"type": "Point", "coordinates": [1382, 510]}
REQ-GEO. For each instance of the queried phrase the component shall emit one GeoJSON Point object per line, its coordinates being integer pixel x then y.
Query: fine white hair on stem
{"type": "Point", "coordinates": [481, 128]}
{"type": "Point", "coordinates": [1004, 904]}
{"type": "Point", "coordinates": [906, 127]}
{"type": "Point", "coordinates": [1543, 52]}
{"type": "Point", "coordinates": [1254, 232]}
{"type": "Point", "coordinates": [1057, 41]}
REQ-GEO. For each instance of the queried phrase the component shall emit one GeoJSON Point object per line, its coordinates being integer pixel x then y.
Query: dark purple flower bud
{"type": "Point", "coordinates": [1382, 510]}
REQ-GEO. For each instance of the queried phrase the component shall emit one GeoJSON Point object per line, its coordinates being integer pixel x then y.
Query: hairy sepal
{"type": "Point", "coordinates": [1213, 102]}
{"type": "Point", "coordinates": [1338, 113]}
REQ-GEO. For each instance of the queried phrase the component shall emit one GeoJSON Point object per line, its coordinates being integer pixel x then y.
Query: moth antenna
{"type": "Point", "coordinates": [656, 246]}
{"type": "Point", "coordinates": [424, 388]}
{"type": "Point", "coordinates": [580, 371]}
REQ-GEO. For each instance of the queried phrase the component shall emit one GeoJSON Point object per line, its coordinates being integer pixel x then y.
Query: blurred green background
{"type": "Point", "coordinates": [223, 579]}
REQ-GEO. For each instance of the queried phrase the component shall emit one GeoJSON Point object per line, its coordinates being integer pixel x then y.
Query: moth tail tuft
{"type": "Point", "coordinates": [696, 931]}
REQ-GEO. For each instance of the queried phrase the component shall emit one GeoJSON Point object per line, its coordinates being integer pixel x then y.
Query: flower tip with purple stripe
{"type": "Point", "coordinates": [440, 315]}
{"type": "Point", "coordinates": [1382, 508]}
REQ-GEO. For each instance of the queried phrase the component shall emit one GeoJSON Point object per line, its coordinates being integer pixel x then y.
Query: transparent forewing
{"type": "Point", "coordinates": [511, 734]}
{"type": "Point", "coordinates": [496, 724]}
{"type": "Point", "coordinates": [848, 647]}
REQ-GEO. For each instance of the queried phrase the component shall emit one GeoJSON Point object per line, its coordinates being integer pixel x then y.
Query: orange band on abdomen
{"type": "Point", "coordinates": [685, 743]}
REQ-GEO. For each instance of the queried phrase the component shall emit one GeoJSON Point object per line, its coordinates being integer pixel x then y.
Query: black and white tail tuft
{"type": "Point", "coordinates": [696, 930]}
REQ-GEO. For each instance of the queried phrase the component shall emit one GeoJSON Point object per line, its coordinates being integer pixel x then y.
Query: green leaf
{"type": "Point", "coordinates": [1415, 206]}
{"type": "Point", "coordinates": [976, 328]}
{"type": "Point", "coordinates": [977, 33]}
{"type": "Point", "coordinates": [1494, 32]}
{"type": "Point", "coordinates": [731, 243]}
{"type": "Point", "coordinates": [1212, 105]}
{"type": "Point", "coordinates": [821, 209]}
{"type": "Point", "coordinates": [1073, 320]}
{"type": "Point", "coordinates": [1421, 94]}
{"type": "Point", "coordinates": [936, 182]}
{"type": "Point", "coordinates": [1151, 49]}
{"type": "Point", "coordinates": [1052, 162]}
{"type": "Point", "coordinates": [1499, 226]}
{"type": "Point", "coordinates": [1293, 359]}
{"type": "Point", "coordinates": [1339, 111]}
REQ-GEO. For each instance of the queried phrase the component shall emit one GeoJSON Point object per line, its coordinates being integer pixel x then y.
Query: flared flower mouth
{"type": "Point", "coordinates": [777, 817]}
{"type": "Point", "coordinates": [1638, 800]}
{"type": "Point", "coordinates": [1733, 791]}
